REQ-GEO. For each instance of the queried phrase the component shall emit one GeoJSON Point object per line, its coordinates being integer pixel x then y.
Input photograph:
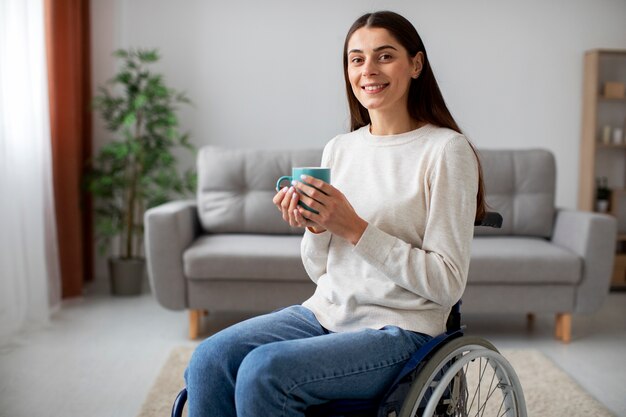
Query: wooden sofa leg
{"type": "Point", "coordinates": [563, 329]}
{"type": "Point", "coordinates": [530, 320]}
{"type": "Point", "coordinates": [194, 323]}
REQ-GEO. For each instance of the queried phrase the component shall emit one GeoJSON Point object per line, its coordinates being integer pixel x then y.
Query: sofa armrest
{"type": "Point", "coordinates": [592, 237]}
{"type": "Point", "coordinates": [170, 229]}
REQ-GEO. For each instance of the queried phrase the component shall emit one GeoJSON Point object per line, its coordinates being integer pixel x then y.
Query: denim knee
{"type": "Point", "coordinates": [213, 359]}
{"type": "Point", "coordinates": [261, 381]}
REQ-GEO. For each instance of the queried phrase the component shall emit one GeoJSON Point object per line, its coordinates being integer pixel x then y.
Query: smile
{"type": "Point", "coordinates": [374, 88]}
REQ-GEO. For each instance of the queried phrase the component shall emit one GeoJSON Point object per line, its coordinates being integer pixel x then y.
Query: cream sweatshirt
{"type": "Point", "coordinates": [417, 191]}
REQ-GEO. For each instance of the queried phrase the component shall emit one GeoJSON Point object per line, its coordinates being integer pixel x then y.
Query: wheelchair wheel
{"type": "Point", "coordinates": [465, 377]}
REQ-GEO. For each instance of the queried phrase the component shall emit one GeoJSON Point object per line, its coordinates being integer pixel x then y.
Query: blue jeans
{"type": "Point", "coordinates": [278, 364]}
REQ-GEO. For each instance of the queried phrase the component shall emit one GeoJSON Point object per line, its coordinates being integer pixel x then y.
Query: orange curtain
{"type": "Point", "coordinates": [67, 42]}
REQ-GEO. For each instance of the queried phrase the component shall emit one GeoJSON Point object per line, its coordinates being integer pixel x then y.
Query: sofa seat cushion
{"type": "Point", "coordinates": [522, 260]}
{"type": "Point", "coordinates": [245, 257]}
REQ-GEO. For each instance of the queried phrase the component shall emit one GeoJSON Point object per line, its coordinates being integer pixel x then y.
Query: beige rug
{"type": "Point", "coordinates": [548, 390]}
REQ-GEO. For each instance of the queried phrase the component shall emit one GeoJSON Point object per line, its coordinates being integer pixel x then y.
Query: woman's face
{"type": "Point", "coordinates": [380, 69]}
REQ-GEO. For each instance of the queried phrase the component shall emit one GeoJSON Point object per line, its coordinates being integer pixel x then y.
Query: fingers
{"type": "Point", "coordinates": [311, 196]}
{"type": "Point", "coordinates": [296, 217]}
{"type": "Point", "coordinates": [281, 200]}
{"type": "Point", "coordinates": [288, 205]}
{"type": "Point", "coordinates": [292, 208]}
{"type": "Point", "coordinates": [299, 220]}
{"type": "Point", "coordinates": [278, 198]}
{"type": "Point", "coordinates": [286, 201]}
{"type": "Point", "coordinates": [323, 186]}
{"type": "Point", "coordinates": [309, 218]}
{"type": "Point", "coordinates": [313, 204]}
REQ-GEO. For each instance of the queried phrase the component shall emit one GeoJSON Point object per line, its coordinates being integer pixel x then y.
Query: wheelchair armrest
{"type": "Point", "coordinates": [491, 219]}
{"type": "Point", "coordinates": [454, 318]}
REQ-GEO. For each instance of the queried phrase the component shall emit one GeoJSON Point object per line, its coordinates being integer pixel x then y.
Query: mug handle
{"type": "Point", "coordinates": [281, 179]}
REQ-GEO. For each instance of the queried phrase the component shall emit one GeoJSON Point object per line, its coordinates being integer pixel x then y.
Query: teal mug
{"type": "Point", "coordinates": [296, 172]}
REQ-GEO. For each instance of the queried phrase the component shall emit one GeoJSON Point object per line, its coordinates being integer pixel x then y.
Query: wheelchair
{"type": "Point", "coordinates": [453, 375]}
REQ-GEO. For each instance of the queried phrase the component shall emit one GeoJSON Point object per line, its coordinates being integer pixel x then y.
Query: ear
{"type": "Point", "coordinates": [418, 63]}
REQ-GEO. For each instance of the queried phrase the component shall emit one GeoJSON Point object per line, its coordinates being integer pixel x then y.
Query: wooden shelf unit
{"type": "Point", "coordinates": [598, 159]}
{"type": "Point", "coordinates": [610, 99]}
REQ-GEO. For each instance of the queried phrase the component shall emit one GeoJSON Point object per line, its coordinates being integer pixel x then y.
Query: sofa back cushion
{"type": "Point", "coordinates": [520, 185]}
{"type": "Point", "coordinates": [236, 186]}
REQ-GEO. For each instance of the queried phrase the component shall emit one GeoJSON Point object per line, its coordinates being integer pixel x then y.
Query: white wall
{"type": "Point", "coordinates": [268, 73]}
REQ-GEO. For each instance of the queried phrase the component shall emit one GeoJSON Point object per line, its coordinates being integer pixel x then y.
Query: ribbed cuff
{"type": "Point", "coordinates": [310, 229]}
{"type": "Point", "coordinates": [316, 243]}
{"type": "Point", "coordinates": [374, 245]}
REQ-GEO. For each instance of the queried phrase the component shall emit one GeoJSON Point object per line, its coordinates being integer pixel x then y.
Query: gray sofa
{"type": "Point", "coordinates": [231, 250]}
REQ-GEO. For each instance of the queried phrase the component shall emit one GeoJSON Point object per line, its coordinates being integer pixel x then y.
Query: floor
{"type": "Point", "coordinates": [100, 354]}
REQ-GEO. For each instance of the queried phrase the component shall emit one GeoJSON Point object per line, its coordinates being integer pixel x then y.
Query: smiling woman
{"type": "Point", "coordinates": [387, 244]}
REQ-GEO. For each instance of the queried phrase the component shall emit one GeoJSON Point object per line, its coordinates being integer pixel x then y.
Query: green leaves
{"type": "Point", "coordinates": [130, 119]}
{"type": "Point", "coordinates": [139, 101]}
{"type": "Point", "coordinates": [137, 170]}
{"type": "Point", "coordinates": [123, 77]}
{"type": "Point", "coordinates": [148, 56]}
{"type": "Point", "coordinates": [121, 53]}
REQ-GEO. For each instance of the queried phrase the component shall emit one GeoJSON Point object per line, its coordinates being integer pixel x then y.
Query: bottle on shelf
{"type": "Point", "coordinates": [603, 195]}
{"type": "Point", "coordinates": [618, 136]}
{"type": "Point", "coordinates": [606, 135]}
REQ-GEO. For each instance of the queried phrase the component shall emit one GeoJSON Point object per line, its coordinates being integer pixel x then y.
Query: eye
{"type": "Point", "coordinates": [356, 60]}
{"type": "Point", "coordinates": [385, 57]}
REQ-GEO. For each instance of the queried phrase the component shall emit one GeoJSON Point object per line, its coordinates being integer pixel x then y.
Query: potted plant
{"type": "Point", "coordinates": [138, 169]}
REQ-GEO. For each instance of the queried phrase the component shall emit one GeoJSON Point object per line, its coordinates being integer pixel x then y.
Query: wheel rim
{"type": "Point", "coordinates": [472, 382]}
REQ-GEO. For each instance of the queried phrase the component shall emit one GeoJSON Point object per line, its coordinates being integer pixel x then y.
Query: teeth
{"type": "Point", "coordinates": [373, 87]}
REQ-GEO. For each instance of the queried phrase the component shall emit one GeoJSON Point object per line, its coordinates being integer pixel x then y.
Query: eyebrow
{"type": "Point", "coordinates": [380, 48]}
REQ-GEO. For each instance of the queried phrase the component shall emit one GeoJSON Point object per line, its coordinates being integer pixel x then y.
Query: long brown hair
{"type": "Point", "coordinates": [425, 103]}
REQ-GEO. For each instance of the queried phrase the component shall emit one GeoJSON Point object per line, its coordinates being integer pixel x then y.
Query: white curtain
{"type": "Point", "coordinates": [29, 271]}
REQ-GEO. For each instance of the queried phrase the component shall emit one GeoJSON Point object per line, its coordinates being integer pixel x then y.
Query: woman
{"type": "Point", "coordinates": [389, 248]}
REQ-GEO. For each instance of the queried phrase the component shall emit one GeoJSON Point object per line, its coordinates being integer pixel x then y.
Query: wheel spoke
{"type": "Point", "coordinates": [480, 377]}
{"type": "Point", "coordinates": [489, 395]}
{"type": "Point", "coordinates": [501, 404]}
{"type": "Point", "coordinates": [477, 391]}
{"type": "Point", "coordinates": [456, 369]}
{"type": "Point", "coordinates": [489, 390]}
{"type": "Point", "coordinates": [481, 374]}
{"type": "Point", "coordinates": [483, 398]}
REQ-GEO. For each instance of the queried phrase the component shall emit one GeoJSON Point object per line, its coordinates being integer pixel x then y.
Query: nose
{"type": "Point", "coordinates": [369, 68]}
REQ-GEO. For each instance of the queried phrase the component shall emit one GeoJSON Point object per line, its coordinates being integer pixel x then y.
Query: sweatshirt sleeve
{"type": "Point", "coordinates": [314, 246]}
{"type": "Point", "coordinates": [438, 270]}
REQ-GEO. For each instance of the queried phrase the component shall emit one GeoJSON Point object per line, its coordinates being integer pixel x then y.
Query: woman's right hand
{"type": "Point", "coordinates": [286, 200]}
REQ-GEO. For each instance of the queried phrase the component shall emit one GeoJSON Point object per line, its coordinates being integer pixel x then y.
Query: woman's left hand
{"type": "Point", "coordinates": [335, 213]}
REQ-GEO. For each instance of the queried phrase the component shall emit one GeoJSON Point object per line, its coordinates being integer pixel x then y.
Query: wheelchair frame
{"type": "Point", "coordinates": [433, 381]}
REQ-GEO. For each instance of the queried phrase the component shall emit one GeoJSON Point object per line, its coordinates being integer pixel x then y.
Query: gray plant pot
{"type": "Point", "coordinates": [126, 275]}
